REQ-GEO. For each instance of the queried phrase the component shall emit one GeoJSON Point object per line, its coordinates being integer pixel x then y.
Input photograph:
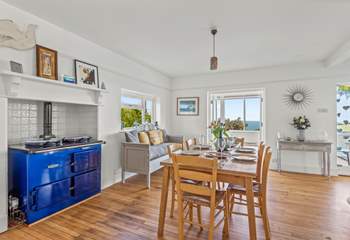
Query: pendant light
{"type": "Point", "coordinates": [214, 59]}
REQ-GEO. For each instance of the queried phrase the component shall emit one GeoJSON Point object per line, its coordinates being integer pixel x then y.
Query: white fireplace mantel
{"type": "Point", "coordinates": [22, 86]}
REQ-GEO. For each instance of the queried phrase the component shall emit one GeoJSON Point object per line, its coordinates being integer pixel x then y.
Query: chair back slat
{"type": "Point", "coordinates": [196, 169]}
{"type": "Point", "coordinates": [261, 150]}
{"type": "Point", "coordinates": [195, 175]}
{"type": "Point", "coordinates": [195, 189]}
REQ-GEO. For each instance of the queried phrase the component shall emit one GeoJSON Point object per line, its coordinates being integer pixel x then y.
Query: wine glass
{"type": "Point", "coordinates": [222, 145]}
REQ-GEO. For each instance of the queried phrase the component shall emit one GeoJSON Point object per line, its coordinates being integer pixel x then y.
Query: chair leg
{"type": "Point", "coordinates": [180, 209]}
{"type": "Point", "coordinates": [190, 209]}
{"type": "Point", "coordinates": [211, 222]}
{"type": "Point", "coordinates": [226, 215]}
{"type": "Point", "coordinates": [265, 218]}
{"type": "Point", "coordinates": [231, 202]}
{"type": "Point", "coordinates": [199, 216]}
{"type": "Point", "coordinates": [173, 193]}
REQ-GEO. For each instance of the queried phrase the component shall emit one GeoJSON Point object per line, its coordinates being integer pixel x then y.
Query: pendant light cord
{"type": "Point", "coordinates": [214, 45]}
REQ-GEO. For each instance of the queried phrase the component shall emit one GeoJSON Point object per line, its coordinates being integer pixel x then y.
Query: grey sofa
{"type": "Point", "coordinates": [145, 158]}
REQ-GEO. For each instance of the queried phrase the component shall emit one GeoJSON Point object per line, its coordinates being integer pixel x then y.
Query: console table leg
{"type": "Point", "coordinates": [329, 164]}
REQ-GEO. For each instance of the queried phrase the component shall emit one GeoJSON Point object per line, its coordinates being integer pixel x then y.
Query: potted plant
{"type": "Point", "coordinates": [301, 123]}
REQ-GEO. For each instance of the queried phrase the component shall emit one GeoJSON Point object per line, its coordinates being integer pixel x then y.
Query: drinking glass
{"type": "Point", "coordinates": [222, 145]}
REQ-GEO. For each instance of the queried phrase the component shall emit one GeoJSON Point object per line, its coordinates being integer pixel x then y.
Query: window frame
{"type": "Point", "coordinates": [221, 99]}
{"type": "Point", "coordinates": [142, 107]}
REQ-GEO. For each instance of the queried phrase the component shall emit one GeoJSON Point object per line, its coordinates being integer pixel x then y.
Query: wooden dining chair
{"type": "Point", "coordinates": [239, 140]}
{"type": "Point", "coordinates": [259, 190]}
{"type": "Point", "coordinates": [204, 170]}
{"type": "Point", "coordinates": [172, 148]}
{"type": "Point", "coordinates": [190, 142]}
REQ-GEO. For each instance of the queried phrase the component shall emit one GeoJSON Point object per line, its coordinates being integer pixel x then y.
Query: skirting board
{"type": "Point", "coordinates": [118, 178]}
{"type": "Point", "coordinates": [301, 169]}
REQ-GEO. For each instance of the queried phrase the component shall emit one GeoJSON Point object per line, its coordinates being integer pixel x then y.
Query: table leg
{"type": "Point", "coordinates": [324, 163]}
{"type": "Point", "coordinates": [329, 165]}
{"type": "Point", "coordinates": [279, 164]}
{"type": "Point", "coordinates": [250, 206]}
{"type": "Point", "coordinates": [163, 200]}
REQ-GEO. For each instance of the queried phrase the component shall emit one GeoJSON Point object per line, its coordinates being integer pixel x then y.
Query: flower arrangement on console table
{"type": "Point", "coordinates": [301, 123]}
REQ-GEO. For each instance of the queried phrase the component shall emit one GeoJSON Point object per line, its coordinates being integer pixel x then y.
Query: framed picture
{"type": "Point", "coordinates": [16, 67]}
{"type": "Point", "coordinates": [86, 73]}
{"type": "Point", "coordinates": [68, 79]}
{"type": "Point", "coordinates": [188, 106]}
{"type": "Point", "coordinates": [46, 63]}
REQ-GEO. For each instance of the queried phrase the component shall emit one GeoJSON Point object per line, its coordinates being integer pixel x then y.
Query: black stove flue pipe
{"type": "Point", "coordinates": [47, 134]}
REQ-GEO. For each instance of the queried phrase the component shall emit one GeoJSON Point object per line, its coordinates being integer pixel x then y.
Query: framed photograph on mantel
{"type": "Point", "coordinates": [188, 106]}
{"type": "Point", "coordinates": [46, 63]}
{"type": "Point", "coordinates": [86, 74]}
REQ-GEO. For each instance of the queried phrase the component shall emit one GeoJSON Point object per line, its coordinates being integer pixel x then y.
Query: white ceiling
{"type": "Point", "coordinates": [173, 36]}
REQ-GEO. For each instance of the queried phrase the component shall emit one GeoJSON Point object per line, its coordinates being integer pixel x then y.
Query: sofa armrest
{"type": "Point", "coordinates": [175, 139]}
{"type": "Point", "coordinates": [135, 157]}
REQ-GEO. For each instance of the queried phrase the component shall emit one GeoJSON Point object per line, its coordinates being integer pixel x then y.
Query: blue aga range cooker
{"type": "Point", "coordinates": [48, 179]}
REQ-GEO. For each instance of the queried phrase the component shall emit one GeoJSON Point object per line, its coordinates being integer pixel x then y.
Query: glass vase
{"type": "Point", "coordinates": [301, 135]}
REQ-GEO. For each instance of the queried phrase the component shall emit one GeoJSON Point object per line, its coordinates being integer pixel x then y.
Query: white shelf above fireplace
{"type": "Point", "coordinates": [23, 86]}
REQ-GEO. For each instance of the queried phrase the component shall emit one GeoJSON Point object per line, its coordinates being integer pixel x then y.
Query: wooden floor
{"type": "Point", "coordinates": [300, 207]}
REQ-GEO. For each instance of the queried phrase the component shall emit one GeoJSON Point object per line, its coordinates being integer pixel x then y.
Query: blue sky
{"type": "Point", "coordinates": [234, 109]}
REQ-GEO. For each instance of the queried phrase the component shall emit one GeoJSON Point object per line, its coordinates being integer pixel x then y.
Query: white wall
{"type": "Point", "coordinates": [115, 70]}
{"type": "Point", "coordinates": [275, 81]}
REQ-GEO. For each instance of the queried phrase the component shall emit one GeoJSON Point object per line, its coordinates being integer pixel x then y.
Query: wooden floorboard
{"type": "Point", "coordinates": [299, 206]}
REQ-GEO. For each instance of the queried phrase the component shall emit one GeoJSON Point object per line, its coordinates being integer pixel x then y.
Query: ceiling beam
{"type": "Point", "coordinates": [339, 55]}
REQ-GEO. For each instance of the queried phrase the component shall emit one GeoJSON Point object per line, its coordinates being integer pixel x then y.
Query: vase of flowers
{"type": "Point", "coordinates": [218, 132]}
{"type": "Point", "coordinates": [301, 123]}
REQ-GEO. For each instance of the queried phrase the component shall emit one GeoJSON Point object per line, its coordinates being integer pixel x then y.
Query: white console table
{"type": "Point", "coordinates": [307, 146]}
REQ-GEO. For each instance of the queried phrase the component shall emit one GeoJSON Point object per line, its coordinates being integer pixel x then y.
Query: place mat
{"type": "Point", "coordinates": [201, 147]}
{"type": "Point", "coordinates": [244, 158]}
{"type": "Point", "coordinates": [217, 155]}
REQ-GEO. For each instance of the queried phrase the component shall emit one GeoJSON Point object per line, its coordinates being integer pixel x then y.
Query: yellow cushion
{"type": "Point", "coordinates": [143, 137]}
{"type": "Point", "coordinates": [155, 137]}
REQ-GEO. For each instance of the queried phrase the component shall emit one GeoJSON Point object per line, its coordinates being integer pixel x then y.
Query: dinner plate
{"type": "Point", "coordinates": [191, 153]}
{"type": "Point", "coordinates": [246, 150]}
{"type": "Point", "coordinates": [244, 158]}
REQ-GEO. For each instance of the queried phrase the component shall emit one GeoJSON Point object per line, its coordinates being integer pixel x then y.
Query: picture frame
{"type": "Point", "coordinates": [16, 67]}
{"type": "Point", "coordinates": [187, 106]}
{"type": "Point", "coordinates": [86, 74]}
{"type": "Point", "coordinates": [46, 63]}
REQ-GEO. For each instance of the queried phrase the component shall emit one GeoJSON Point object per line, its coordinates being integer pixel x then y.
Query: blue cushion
{"type": "Point", "coordinates": [156, 151]}
{"type": "Point", "coordinates": [132, 136]}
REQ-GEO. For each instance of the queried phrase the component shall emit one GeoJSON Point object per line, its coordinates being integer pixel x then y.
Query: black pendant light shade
{"type": "Point", "coordinates": [214, 59]}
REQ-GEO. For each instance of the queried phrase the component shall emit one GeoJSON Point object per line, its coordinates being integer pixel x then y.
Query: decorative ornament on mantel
{"type": "Point", "coordinates": [298, 97]}
{"type": "Point", "coordinates": [11, 36]}
{"type": "Point", "coordinates": [213, 59]}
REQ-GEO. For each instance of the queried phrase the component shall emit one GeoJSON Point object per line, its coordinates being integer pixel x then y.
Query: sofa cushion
{"type": "Point", "coordinates": [155, 137]}
{"type": "Point", "coordinates": [143, 138]}
{"type": "Point", "coordinates": [132, 137]}
{"type": "Point", "coordinates": [156, 151]}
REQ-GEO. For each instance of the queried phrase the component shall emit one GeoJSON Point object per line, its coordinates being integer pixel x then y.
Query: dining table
{"type": "Point", "coordinates": [229, 171]}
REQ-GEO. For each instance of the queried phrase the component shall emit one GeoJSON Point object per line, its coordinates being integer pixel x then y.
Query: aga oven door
{"type": "Point", "coordinates": [85, 160]}
{"type": "Point", "coordinates": [50, 194]}
{"type": "Point", "coordinates": [86, 183]}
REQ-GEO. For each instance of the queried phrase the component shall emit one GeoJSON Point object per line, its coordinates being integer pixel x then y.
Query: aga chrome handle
{"type": "Point", "coordinates": [50, 166]}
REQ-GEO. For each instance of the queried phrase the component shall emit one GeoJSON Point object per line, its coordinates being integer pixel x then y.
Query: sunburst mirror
{"type": "Point", "coordinates": [298, 97]}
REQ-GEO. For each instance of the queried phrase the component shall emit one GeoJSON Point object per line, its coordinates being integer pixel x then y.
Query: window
{"type": "Point", "coordinates": [242, 112]}
{"type": "Point", "coordinates": [136, 108]}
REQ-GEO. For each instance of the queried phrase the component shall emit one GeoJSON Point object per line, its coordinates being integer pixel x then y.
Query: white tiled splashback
{"type": "Point", "coordinates": [25, 120]}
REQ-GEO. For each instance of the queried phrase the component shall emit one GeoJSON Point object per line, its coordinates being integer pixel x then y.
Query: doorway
{"type": "Point", "coordinates": [343, 128]}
